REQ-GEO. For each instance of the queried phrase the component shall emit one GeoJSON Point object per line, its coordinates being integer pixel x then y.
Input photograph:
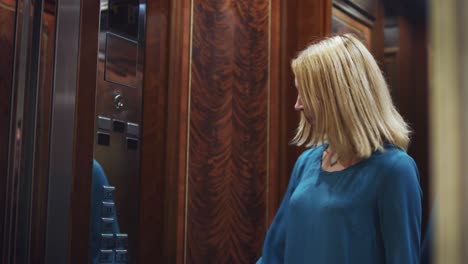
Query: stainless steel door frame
{"type": "Point", "coordinates": [62, 132]}
{"type": "Point", "coordinates": [18, 200]}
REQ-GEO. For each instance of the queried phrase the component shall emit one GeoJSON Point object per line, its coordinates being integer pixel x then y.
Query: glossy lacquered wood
{"type": "Point", "coordinates": [176, 132]}
{"type": "Point", "coordinates": [301, 23]}
{"type": "Point", "coordinates": [413, 97]}
{"type": "Point", "coordinates": [41, 162]}
{"type": "Point", "coordinates": [84, 133]}
{"type": "Point", "coordinates": [7, 36]}
{"type": "Point", "coordinates": [152, 173]}
{"type": "Point", "coordinates": [227, 173]}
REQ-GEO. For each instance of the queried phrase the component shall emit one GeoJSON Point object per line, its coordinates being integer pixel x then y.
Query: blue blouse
{"type": "Point", "coordinates": [367, 213]}
{"type": "Point", "coordinates": [97, 197]}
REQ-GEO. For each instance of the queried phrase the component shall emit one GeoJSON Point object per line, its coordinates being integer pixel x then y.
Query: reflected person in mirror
{"type": "Point", "coordinates": [354, 195]}
{"type": "Point", "coordinates": [97, 197]}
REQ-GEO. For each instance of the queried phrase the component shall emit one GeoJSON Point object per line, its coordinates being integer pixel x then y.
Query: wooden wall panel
{"type": "Point", "coordinates": [370, 7]}
{"type": "Point", "coordinates": [367, 25]}
{"type": "Point", "coordinates": [407, 73]}
{"type": "Point", "coordinates": [41, 162]}
{"type": "Point", "coordinates": [84, 133]}
{"type": "Point", "coordinates": [302, 22]}
{"type": "Point", "coordinates": [7, 35]}
{"type": "Point", "coordinates": [150, 236]}
{"type": "Point", "coordinates": [228, 157]}
{"type": "Point", "coordinates": [274, 135]}
{"type": "Point", "coordinates": [413, 97]}
{"type": "Point", "coordinates": [176, 132]}
{"type": "Point", "coordinates": [391, 50]}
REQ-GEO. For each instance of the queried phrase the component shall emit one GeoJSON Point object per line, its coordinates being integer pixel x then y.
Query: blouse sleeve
{"type": "Point", "coordinates": [399, 205]}
{"type": "Point", "coordinates": [274, 244]}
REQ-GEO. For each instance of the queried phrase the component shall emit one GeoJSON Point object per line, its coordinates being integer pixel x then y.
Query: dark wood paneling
{"type": "Point", "coordinates": [391, 50]}
{"type": "Point", "coordinates": [349, 17]}
{"type": "Point", "coordinates": [176, 132]}
{"type": "Point", "coordinates": [228, 131]}
{"type": "Point", "coordinates": [378, 44]}
{"type": "Point", "coordinates": [273, 197]}
{"type": "Point", "coordinates": [412, 10]}
{"type": "Point", "coordinates": [7, 30]}
{"type": "Point", "coordinates": [369, 7]}
{"type": "Point", "coordinates": [84, 133]}
{"type": "Point", "coordinates": [150, 242]}
{"type": "Point", "coordinates": [413, 97]}
{"type": "Point", "coordinates": [302, 22]}
{"type": "Point", "coordinates": [342, 22]}
{"type": "Point", "coordinates": [41, 166]}
{"type": "Point", "coordinates": [354, 12]}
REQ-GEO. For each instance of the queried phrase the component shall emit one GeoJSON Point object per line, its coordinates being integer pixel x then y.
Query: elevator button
{"type": "Point", "coordinates": [104, 123]}
{"type": "Point", "coordinates": [132, 143]}
{"type": "Point", "coordinates": [133, 130]}
{"type": "Point", "coordinates": [107, 241]}
{"type": "Point", "coordinates": [121, 241]}
{"type": "Point", "coordinates": [108, 209]}
{"type": "Point", "coordinates": [103, 139]}
{"type": "Point", "coordinates": [108, 192]}
{"type": "Point", "coordinates": [107, 225]}
{"type": "Point", "coordinates": [106, 256]}
{"type": "Point", "coordinates": [121, 256]}
{"type": "Point", "coordinates": [119, 126]}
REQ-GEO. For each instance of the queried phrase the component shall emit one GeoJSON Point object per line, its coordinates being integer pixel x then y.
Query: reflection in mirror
{"type": "Point", "coordinates": [43, 122]}
{"type": "Point", "coordinates": [7, 50]}
{"type": "Point", "coordinates": [115, 182]}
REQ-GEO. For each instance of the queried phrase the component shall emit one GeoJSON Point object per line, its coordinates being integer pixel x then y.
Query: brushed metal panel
{"type": "Point", "coordinates": [62, 131]}
{"type": "Point", "coordinates": [119, 97]}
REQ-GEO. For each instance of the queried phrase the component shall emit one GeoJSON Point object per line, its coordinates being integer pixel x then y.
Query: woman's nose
{"type": "Point", "coordinates": [298, 106]}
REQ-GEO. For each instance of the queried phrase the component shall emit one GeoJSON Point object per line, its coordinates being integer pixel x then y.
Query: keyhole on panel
{"type": "Point", "coordinates": [119, 102]}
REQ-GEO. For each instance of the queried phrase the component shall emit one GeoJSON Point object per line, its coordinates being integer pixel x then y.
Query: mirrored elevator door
{"type": "Point", "coordinates": [115, 184]}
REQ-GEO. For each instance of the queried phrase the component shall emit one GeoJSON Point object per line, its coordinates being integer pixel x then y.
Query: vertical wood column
{"type": "Point", "coordinates": [152, 180]}
{"type": "Point", "coordinates": [229, 131]}
{"type": "Point", "coordinates": [412, 97]}
{"type": "Point", "coordinates": [7, 51]}
{"type": "Point", "coordinates": [84, 133]}
{"type": "Point", "coordinates": [229, 120]}
{"type": "Point", "coordinates": [302, 22]}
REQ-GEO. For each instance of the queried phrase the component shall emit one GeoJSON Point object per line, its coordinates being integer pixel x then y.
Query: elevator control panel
{"type": "Point", "coordinates": [118, 127]}
{"type": "Point", "coordinates": [112, 245]}
{"type": "Point", "coordinates": [107, 127]}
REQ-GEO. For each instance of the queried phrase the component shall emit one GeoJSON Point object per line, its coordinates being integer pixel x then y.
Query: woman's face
{"type": "Point", "coordinates": [298, 106]}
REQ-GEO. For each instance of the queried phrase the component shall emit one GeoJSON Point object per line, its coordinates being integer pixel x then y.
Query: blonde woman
{"type": "Point", "coordinates": [354, 196]}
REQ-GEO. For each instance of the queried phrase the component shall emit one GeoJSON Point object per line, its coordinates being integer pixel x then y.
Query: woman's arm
{"type": "Point", "coordinates": [399, 205]}
{"type": "Point", "coordinates": [274, 245]}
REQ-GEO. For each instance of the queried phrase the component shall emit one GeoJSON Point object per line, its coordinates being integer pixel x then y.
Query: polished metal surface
{"type": "Point", "coordinates": [19, 184]}
{"type": "Point", "coordinates": [104, 123]}
{"type": "Point", "coordinates": [118, 97]}
{"type": "Point", "coordinates": [62, 131]}
{"type": "Point", "coordinates": [133, 129]}
{"type": "Point", "coordinates": [119, 102]}
{"type": "Point", "coordinates": [121, 60]}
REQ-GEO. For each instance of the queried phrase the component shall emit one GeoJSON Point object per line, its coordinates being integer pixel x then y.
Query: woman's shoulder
{"type": "Point", "coordinates": [396, 164]}
{"type": "Point", "coordinates": [392, 156]}
{"type": "Point", "coordinates": [307, 158]}
{"type": "Point", "coordinates": [310, 153]}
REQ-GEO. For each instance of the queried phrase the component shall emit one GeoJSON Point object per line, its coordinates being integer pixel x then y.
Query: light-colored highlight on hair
{"type": "Point", "coordinates": [346, 100]}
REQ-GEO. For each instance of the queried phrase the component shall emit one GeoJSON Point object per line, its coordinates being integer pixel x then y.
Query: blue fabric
{"type": "Point", "coordinates": [366, 214]}
{"type": "Point", "coordinates": [426, 249]}
{"type": "Point", "coordinates": [97, 196]}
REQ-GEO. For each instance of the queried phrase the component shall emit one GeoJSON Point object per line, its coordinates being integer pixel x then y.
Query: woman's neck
{"type": "Point", "coordinates": [332, 162]}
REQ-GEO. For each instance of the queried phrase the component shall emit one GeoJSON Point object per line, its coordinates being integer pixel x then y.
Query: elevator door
{"type": "Point", "coordinates": [115, 184]}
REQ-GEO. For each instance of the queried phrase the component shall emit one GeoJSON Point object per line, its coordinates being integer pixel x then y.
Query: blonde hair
{"type": "Point", "coordinates": [346, 99]}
